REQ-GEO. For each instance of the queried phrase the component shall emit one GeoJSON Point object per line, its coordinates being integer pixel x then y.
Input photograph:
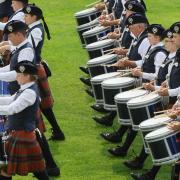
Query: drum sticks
{"type": "Point", "coordinates": [159, 112]}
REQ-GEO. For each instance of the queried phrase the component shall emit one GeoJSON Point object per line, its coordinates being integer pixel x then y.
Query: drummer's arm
{"type": "Point", "coordinates": [6, 100]}
{"type": "Point", "coordinates": [174, 92]}
{"type": "Point", "coordinates": [8, 76]}
{"type": "Point", "coordinates": [174, 125]}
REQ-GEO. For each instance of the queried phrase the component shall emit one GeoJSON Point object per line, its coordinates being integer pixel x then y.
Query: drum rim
{"type": "Point", "coordinates": [150, 126]}
{"type": "Point", "coordinates": [90, 32]}
{"type": "Point", "coordinates": [122, 100]}
{"type": "Point", "coordinates": [101, 80]}
{"type": "Point", "coordinates": [108, 58]}
{"type": "Point", "coordinates": [85, 27]}
{"type": "Point", "coordinates": [160, 136]}
{"type": "Point", "coordinates": [81, 14]}
{"type": "Point", "coordinates": [119, 84]}
{"type": "Point", "coordinates": [107, 42]}
{"type": "Point", "coordinates": [137, 104]}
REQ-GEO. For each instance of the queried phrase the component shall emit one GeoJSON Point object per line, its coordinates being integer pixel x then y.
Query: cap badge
{"type": "Point", "coordinates": [154, 30]}
{"type": "Point", "coordinates": [130, 6]}
{"type": "Point", "coordinates": [169, 34]}
{"type": "Point", "coordinates": [176, 29]}
{"type": "Point", "coordinates": [21, 69]}
{"type": "Point", "coordinates": [130, 20]}
{"type": "Point", "coordinates": [10, 28]}
{"type": "Point", "coordinates": [28, 9]}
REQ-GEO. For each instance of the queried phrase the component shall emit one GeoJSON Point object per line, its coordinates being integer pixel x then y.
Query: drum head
{"type": "Point", "coordinates": [155, 122]}
{"type": "Point", "coordinates": [121, 81]}
{"type": "Point", "coordinates": [95, 30]}
{"type": "Point", "coordinates": [102, 77]}
{"type": "Point", "coordinates": [127, 95]}
{"type": "Point", "coordinates": [88, 25]}
{"type": "Point", "coordinates": [102, 59]}
{"type": "Point", "coordinates": [159, 133]}
{"type": "Point", "coordinates": [85, 12]}
{"type": "Point", "coordinates": [143, 100]}
{"type": "Point", "coordinates": [100, 44]}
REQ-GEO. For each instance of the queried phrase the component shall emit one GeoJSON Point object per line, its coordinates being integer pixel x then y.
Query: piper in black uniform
{"type": "Point", "coordinates": [23, 150]}
{"type": "Point", "coordinates": [17, 34]}
{"type": "Point", "coordinates": [33, 15]}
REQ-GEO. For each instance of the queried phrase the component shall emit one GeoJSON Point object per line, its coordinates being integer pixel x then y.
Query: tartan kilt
{"type": "Point", "coordinates": [24, 153]}
{"type": "Point", "coordinates": [40, 122]}
{"type": "Point", "coordinates": [45, 92]}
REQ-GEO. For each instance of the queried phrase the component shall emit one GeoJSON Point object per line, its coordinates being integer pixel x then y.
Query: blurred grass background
{"type": "Point", "coordinates": [83, 155]}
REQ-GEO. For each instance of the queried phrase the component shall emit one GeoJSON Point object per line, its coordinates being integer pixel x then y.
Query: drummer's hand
{"type": "Point", "coordinates": [3, 49]}
{"type": "Point", "coordinates": [164, 84]}
{"type": "Point", "coordinates": [113, 35]}
{"type": "Point", "coordinates": [163, 92]}
{"type": "Point", "coordinates": [120, 51]}
{"type": "Point", "coordinates": [136, 72]}
{"type": "Point", "coordinates": [100, 6]}
{"type": "Point", "coordinates": [149, 86]}
{"type": "Point", "coordinates": [174, 125]}
{"type": "Point", "coordinates": [3, 43]}
{"type": "Point", "coordinates": [118, 64]}
{"type": "Point", "coordinates": [105, 23]}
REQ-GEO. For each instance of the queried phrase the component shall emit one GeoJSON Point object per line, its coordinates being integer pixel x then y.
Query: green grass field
{"type": "Point", "coordinates": [83, 155]}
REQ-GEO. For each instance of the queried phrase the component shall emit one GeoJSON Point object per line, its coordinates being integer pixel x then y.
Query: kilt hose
{"type": "Point", "coordinates": [40, 122]}
{"type": "Point", "coordinates": [47, 100]}
{"type": "Point", "coordinates": [24, 154]}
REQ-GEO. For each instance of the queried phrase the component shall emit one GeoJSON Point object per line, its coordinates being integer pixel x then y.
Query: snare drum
{"type": "Point", "coordinates": [96, 85]}
{"type": "Point", "coordinates": [143, 108]}
{"type": "Point", "coordinates": [151, 125]}
{"type": "Point", "coordinates": [111, 87]}
{"type": "Point", "coordinates": [121, 100]}
{"type": "Point", "coordinates": [95, 66]}
{"type": "Point", "coordinates": [97, 49]}
{"type": "Point", "coordinates": [163, 146]}
{"type": "Point", "coordinates": [87, 15]}
{"type": "Point", "coordinates": [94, 34]}
{"type": "Point", "coordinates": [86, 27]}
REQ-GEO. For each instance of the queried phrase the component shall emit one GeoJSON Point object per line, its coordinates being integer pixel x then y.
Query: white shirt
{"type": "Point", "coordinates": [158, 60]}
{"type": "Point", "coordinates": [143, 47]}
{"type": "Point", "coordinates": [25, 54]}
{"type": "Point", "coordinates": [36, 33]}
{"type": "Point", "coordinates": [18, 16]}
{"type": "Point", "coordinates": [9, 106]}
{"type": "Point", "coordinates": [170, 56]}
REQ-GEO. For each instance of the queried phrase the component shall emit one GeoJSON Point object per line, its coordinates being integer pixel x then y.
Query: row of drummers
{"type": "Point", "coordinates": [146, 60]}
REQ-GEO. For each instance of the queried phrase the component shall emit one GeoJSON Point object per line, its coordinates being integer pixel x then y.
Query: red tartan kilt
{"type": "Point", "coordinates": [24, 153]}
{"type": "Point", "coordinates": [40, 122]}
{"type": "Point", "coordinates": [45, 92]}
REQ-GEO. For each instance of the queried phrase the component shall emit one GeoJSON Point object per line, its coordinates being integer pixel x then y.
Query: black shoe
{"type": "Point", "coordinates": [103, 121]}
{"type": "Point", "coordinates": [57, 136]}
{"type": "Point", "coordinates": [118, 151]}
{"type": "Point", "coordinates": [141, 176]}
{"type": "Point", "coordinates": [112, 137]}
{"type": "Point", "coordinates": [86, 81]}
{"type": "Point", "coordinates": [53, 171]}
{"type": "Point", "coordinates": [84, 69]}
{"type": "Point", "coordinates": [89, 92]}
{"type": "Point", "coordinates": [99, 108]}
{"type": "Point", "coordinates": [134, 164]}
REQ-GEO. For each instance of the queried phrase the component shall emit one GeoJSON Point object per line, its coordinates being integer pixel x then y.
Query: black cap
{"type": "Point", "coordinates": [26, 67]}
{"type": "Point", "coordinates": [15, 26]}
{"type": "Point", "coordinates": [23, 1]}
{"type": "Point", "coordinates": [156, 29]}
{"type": "Point", "coordinates": [134, 6]}
{"type": "Point", "coordinates": [168, 34]}
{"type": "Point", "coordinates": [33, 10]}
{"type": "Point", "coordinates": [136, 19]}
{"type": "Point", "coordinates": [175, 28]}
